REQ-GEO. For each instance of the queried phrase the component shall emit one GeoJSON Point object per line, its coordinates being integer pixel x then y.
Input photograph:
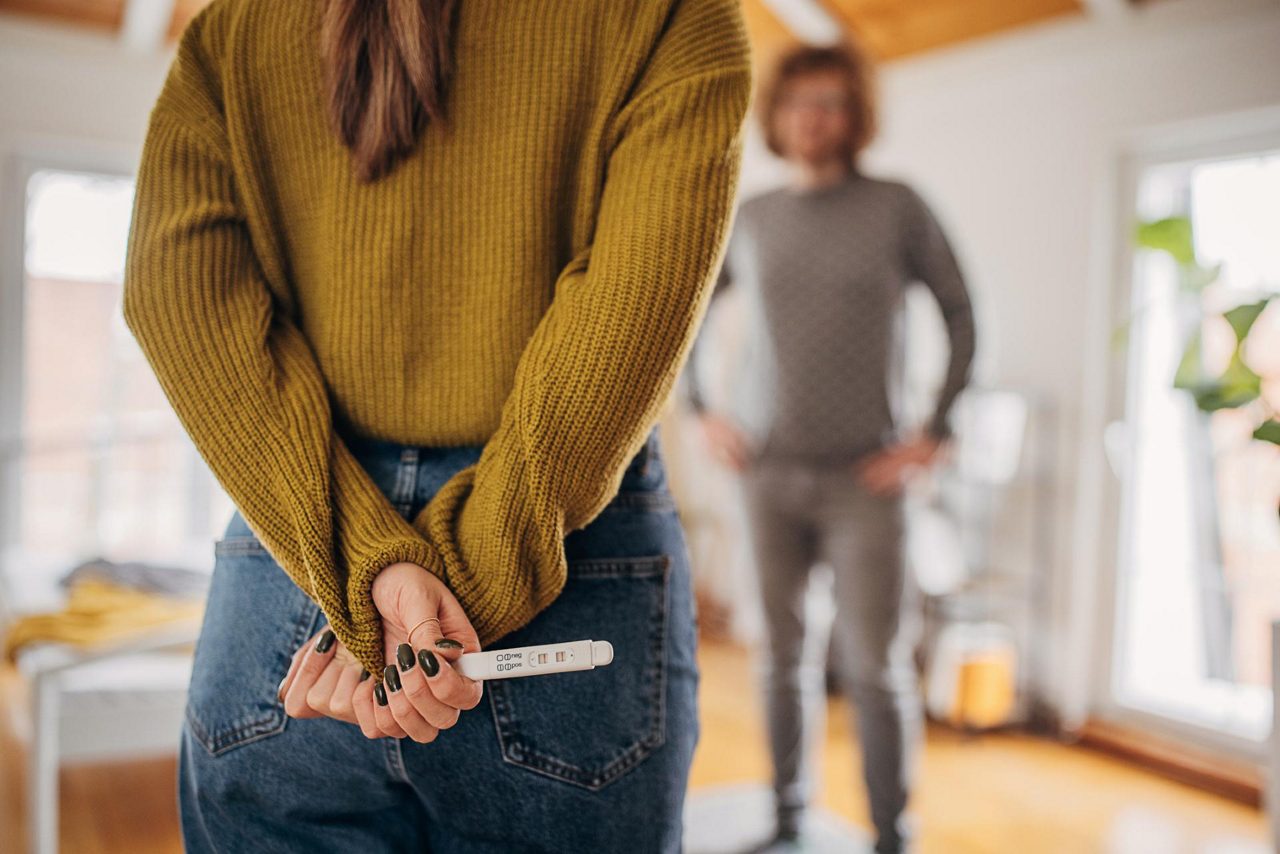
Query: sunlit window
{"type": "Point", "coordinates": [1200, 534]}
{"type": "Point", "coordinates": [104, 468]}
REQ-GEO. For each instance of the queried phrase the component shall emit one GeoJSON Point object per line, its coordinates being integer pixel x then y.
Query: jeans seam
{"type": "Point", "coordinates": [395, 760]}
{"type": "Point", "coordinates": [406, 480]}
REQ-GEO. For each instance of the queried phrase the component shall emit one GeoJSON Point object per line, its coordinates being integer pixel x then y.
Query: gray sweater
{"type": "Point", "coordinates": [824, 271]}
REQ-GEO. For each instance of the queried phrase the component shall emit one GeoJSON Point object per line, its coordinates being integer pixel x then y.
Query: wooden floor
{"type": "Point", "coordinates": [990, 794]}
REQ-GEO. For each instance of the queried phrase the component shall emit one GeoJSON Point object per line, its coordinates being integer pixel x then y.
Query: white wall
{"type": "Point", "coordinates": [68, 87]}
{"type": "Point", "coordinates": [1015, 141]}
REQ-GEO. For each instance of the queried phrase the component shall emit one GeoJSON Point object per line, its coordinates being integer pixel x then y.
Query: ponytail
{"type": "Point", "coordinates": [387, 68]}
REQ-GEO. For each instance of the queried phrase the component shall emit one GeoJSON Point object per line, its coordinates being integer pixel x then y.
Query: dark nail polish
{"type": "Point", "coordinates": [404, 654]}
{"type": "Point", "coordinates": [380, 694]}
{"type": "Point", "coordinates": [364, 674]}
{"type": "Point", "coordinates": [392, 677]}
{"type": "Point", "coordinates": [429, 664]}
{"type": "Point", "coordinates": [326, 641]}
{"type": "Point", "coordinates": [448, 643]}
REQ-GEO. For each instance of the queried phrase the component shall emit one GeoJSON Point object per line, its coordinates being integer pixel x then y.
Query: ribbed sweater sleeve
{"type": "Point", "coordinates": [237, 370]}
{"type": "Point", "coordinates": [932, 261]}
{"type": "Point", "coordinates": [592, 378]}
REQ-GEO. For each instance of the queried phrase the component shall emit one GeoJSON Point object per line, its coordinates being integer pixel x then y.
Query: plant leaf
{"type": "Point", "coordinates": [1242, 317]}
{"type": "Point", "coordinates": [1268, 431]}
{"type": "Point", "coordinates": [1172, 235]}
{"type": "Point", "coordinates": [1235, 387]}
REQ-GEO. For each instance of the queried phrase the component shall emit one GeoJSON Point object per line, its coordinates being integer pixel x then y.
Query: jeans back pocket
{"type": "Point", "coordinates": [589, 727]}
{"type": "Point", "coordinates": [255, 619]}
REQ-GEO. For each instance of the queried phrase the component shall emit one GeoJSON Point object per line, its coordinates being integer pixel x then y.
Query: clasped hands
{"type": "Point", "coordinates": [420, 692]}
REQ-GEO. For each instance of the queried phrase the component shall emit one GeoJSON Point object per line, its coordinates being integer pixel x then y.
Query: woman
{"type": "Point", "coordinates": [416, 280]}
{"type": "Point", "coordinates": [824, 261]}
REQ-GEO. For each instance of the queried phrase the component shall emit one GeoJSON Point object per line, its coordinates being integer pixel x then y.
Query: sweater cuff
{"type": "Point", "coordinates": [503, 560]}
{"type": "Point", "coordinates": [364, 637]}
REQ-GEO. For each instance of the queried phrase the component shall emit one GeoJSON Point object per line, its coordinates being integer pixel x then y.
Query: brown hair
{"type": "Point", "coordinates": [387, 69]}
{"type": "Point", "coordinates": [858, 71]}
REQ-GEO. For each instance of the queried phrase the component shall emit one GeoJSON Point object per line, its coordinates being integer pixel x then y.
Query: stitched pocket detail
{"type": "Point", "coordinates": [255, 619]}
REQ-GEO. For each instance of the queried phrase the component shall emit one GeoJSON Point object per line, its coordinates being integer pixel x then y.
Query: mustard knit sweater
{"type": "Point", "coordinates": [530, 279]}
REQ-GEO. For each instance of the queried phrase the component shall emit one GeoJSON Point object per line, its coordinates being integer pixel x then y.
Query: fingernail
{"type": "Point", "coordinates": [380, 694]}
{"type": "Point", "coordinates": [326, 641]}
{"type": "Point", "coordinates": [280, 689]}
{"type": "Point", "coordinates": [429, 663]}
{"type": "Point", "coordinates": [448, 643]}
{"type": "Point", "coordinates": [364, 674]}
{"type": "Point", "coordinates": [392, 677]}
{"type": "Point", "coordinates": [404, 654]}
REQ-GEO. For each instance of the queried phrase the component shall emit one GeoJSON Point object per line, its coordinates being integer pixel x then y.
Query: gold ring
{"type": "Point", "coordinates": [435, 620]}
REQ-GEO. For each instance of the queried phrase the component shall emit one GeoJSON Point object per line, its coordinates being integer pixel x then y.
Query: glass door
{"type": "Point", "coordinates": [1198, 451]}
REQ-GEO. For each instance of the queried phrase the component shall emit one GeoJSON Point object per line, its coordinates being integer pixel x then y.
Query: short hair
{"type": "Point", "coordinates": [847, 58]}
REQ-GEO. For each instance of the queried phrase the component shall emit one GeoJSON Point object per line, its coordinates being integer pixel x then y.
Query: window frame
{"type": "Point", "coordinates": [30, 155]}
{"type": "Point", "coordinates": [1208, 139]}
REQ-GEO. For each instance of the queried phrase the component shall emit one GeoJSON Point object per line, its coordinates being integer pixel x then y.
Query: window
{"type": "Point", "coordinates": [1199, 561]}
{"type": "Point", "coordinates": [103, 468]}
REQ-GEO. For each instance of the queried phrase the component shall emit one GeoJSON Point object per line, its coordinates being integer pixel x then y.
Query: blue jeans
{"type": "Point", "coordinates": [592, 761]}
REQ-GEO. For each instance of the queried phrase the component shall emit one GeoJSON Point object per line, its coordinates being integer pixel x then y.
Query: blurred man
{"type": "Point", "coordinates": [824, 262]}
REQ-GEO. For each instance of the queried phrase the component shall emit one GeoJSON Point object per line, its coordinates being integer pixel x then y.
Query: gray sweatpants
{"type": "Point", "coordinates": [800, 515]}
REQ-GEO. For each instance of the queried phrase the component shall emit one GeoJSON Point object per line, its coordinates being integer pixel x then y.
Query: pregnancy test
{"type": "Point", "coordinates": [535, 660]}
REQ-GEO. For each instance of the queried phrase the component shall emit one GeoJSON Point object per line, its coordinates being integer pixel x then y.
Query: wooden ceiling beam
{"type": "Point", "coordinates": [892, 28]}
{"type": "Point", "coordinates": [769, 35]}
{"type": "Point", "coordinates": [99, 14]}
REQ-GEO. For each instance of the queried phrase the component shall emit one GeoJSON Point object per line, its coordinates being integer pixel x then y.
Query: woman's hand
{"type": "Point", "coordinates": [410, 599]}
{"type": "Point", "coordinates": [419, 693]}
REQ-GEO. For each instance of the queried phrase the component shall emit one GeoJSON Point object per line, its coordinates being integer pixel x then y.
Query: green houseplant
{"type": "Point", "coordinates": [1237, 386]}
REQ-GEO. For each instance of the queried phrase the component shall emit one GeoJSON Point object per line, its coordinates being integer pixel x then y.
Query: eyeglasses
{"type": "Point", "coordinates": [827, 103]}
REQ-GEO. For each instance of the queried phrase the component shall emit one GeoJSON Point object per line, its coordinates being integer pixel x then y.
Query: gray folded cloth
{"type": "Point", "coordinates": [176, 581]}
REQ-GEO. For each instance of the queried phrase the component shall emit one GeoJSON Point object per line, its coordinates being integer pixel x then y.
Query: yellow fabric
{"type": "Point", "coordinates": [530, 279]}
{"type": "Point", "coordinates": [98, 611]}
